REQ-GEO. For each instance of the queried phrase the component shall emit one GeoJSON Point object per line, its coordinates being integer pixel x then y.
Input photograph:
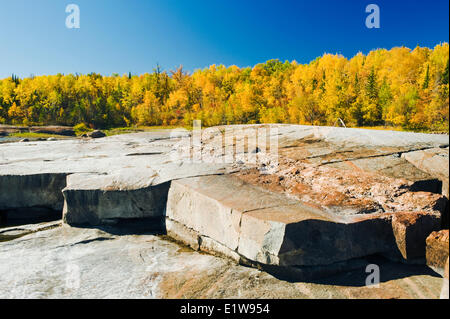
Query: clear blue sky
{"type": "Point", "coordinates": [118, 36]}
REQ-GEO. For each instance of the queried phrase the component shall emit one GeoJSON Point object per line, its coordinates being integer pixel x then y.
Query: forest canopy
{"type": "Point", "coordinates": [398, 87]}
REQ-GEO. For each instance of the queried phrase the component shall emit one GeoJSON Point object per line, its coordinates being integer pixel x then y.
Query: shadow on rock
{"type": "Point", "coordinates": [355, 276]}
{"type": "Point", "coordinates": [141, 226]}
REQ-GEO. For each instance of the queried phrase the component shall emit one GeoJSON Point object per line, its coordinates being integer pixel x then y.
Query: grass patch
{"type": "Point", "coordinates": [35, 135]}
{"type": "Point", "coordinates": [382, 128]}
{"type": "Point", "coordinates": [127, 130]}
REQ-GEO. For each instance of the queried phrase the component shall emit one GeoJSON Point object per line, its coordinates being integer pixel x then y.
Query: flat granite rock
{"type": "Point", "coordinates": [101, 200]}
{"type": "Point", "coordinates": [80, 263]}
{"type": "Point", "coordinates": [310, 197]}
{"type": "Point", "coordinates": [433, 161]}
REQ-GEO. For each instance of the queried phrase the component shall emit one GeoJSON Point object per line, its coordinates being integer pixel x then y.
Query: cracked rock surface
{"type": "Point", "coordinates": [270, 196]}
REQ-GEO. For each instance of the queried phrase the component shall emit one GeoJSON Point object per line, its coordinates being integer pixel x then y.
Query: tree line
{"type": "Point", "coordinates": [398, 87]}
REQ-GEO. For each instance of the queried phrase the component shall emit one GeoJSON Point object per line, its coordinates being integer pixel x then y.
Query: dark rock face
{"type": "Point", "coordinates": [3, 217]}
{"type": "Point", "coordinates": [37, 190]}
{"type": "Point", "coordinates": [97, 207]}
{"type": "Point", "coordinates": [28, 215]}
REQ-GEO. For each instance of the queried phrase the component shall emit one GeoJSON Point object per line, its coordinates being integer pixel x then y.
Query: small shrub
{"type": "Point", "coordinates": [81, 128]}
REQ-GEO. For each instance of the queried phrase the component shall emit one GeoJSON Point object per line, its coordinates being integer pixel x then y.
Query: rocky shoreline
{"type": "Point", "coordinates": [5, 130]}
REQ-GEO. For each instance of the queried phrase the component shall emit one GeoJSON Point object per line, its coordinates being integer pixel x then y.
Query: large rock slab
{"type": "Point", "coordinates": [389, 165]}
{"type": "Point", "coordinates": [434, 162]}
{"type": "Point", "coordinates": [214, 205]}
{"type": "Point", "coordinates": [272, 229]}
{"type": "Point", "coordinates": [131, 152]}
{"type": "Point", "coordinates": [104, 179]}
{"type": "Point", "coordinates": [96, 200]}
{"type": "Point", "coordinates": [80, 263]}
{"type": "Point", "coordinates": [139, 191]}
{"type": "Point", "coordinates": [344, 192]}
{"type": "Point", "coordinates": [287, 133]}
{"type": "Point", "coordinates": [298, 236]}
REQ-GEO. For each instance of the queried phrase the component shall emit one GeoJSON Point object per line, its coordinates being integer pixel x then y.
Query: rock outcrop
{"type": "Point", "coordinates": [95, 200]}
{"type": "Point", "coordinates": [251, 224]}
{"type": "Point", "coordinates": [305, 200]}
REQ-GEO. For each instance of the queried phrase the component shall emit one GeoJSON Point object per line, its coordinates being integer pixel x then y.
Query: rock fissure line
{"type": "Point", "coordinates": [87, 241]}
{"type": "Point", "coordinates": [399, 153]}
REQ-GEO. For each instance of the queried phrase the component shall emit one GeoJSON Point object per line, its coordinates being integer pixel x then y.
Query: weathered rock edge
{"type": "Point", "coordinates": [223, 215]}
{"type": "Point", "coordinates": [199, 242]}
{"type": "Point", "coordinates": [96, 207]}
{"type": "Point", "coordinates": [434, 162]}
{"type": "Point", "coordinates": [37, 190]}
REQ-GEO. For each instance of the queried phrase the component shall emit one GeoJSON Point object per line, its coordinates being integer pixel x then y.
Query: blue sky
{"type": "Point", "coordinates": [118, 36]}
